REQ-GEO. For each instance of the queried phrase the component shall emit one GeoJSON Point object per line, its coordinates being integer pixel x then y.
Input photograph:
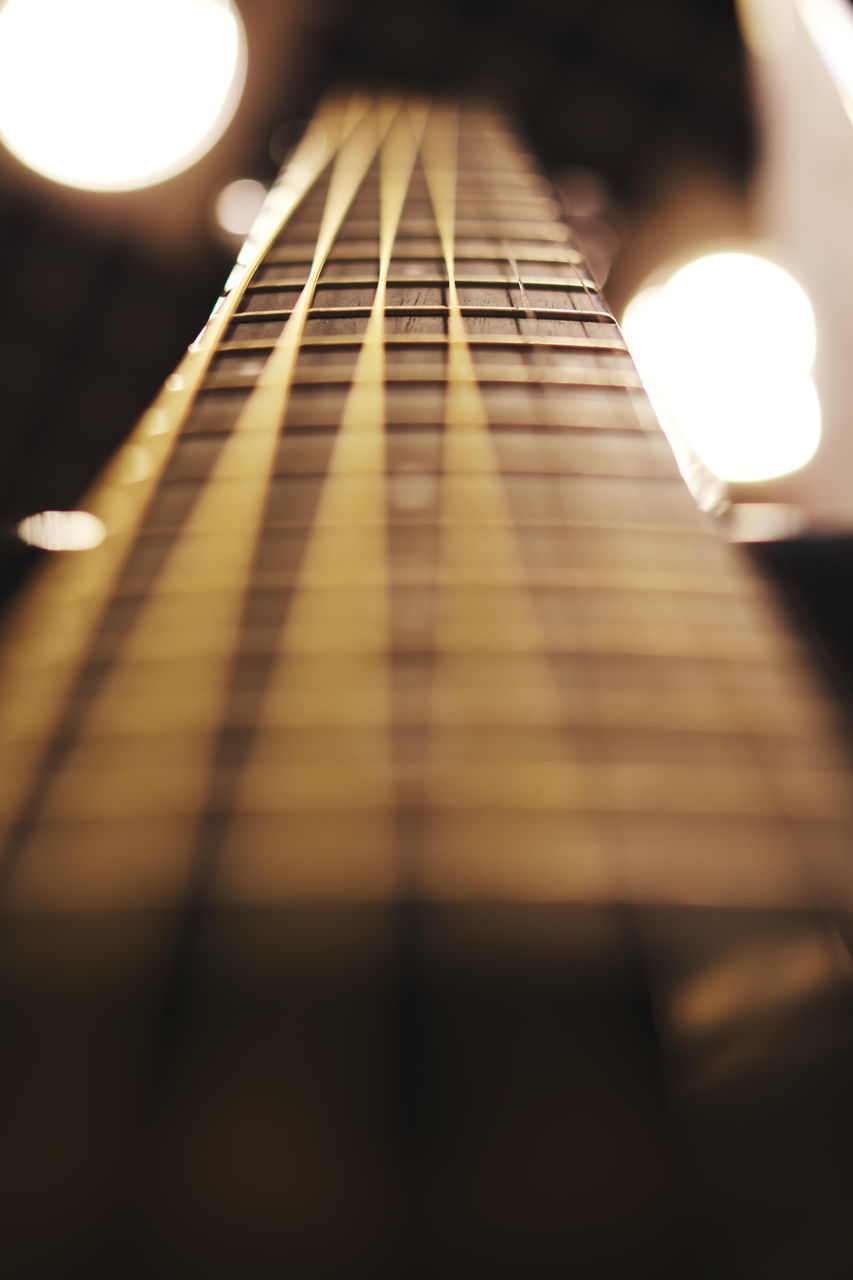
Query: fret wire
{"type": "Point", "coordinates": [427, 376]}
{"type": "Point", "coordinates": [731, 646]}
{"type": "Point", "coordinates": [763, 715]}
{"type": "Point", "coordinates": [472, 184]}
{"type": "Point", "coordinates": [484, 251]}
{"type": "Point", "coordinates": [508, 474]}
{"type": "Point", "coordinates": [520, 340]}
{"type": "Point", "coordinates": [606, 723]}
{"type": "Point", "coordinates": [487, 207]}
{"type": "Point", "coordinates": [676, 529]}
{"type": "Point", "coordinates": [583, 426]}
{"type": "Point", "coordinates": [401, 282]}
{"type": "Point", "coordinates": [567, 579]}
{"type": "Point", "coordinates": [547, 430]}
{"type": "Point", "coordinates": [473, 227]}
{"type": "Point", "coordinates": [486, 312]}
{"type": "Point", "coordinates": [613, 788]}
{"type": "Point", "coordinates": [421, 224]}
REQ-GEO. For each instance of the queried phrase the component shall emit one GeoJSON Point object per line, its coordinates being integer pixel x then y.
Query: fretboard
{"type": "Point", "coordinates": [404, 538]}
{"type": "Point", "coordinates": [402, 601]}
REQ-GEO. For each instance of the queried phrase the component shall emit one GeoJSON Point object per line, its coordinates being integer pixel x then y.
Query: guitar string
{"type": "Point", "coordinates": [615, 786]}
{"type": "Point", "coordinates": [474, 796]}
{"type": "Point", "coordinates": [171, 677]}
{"type": "Point", "coordinates": [46, 638]}
{"type": "Point", "coordinates": [809, 795]}
{"type": "Point", "coordinates": [332, 683]}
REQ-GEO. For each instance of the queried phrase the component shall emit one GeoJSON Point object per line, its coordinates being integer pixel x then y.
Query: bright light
{"type": "Point", "coordinates": [725, 347]}
{"type": "Point", "coordinates": [115, 94]}
{"type": "Point", "coordinates": [62, 531]}
{"type": "Point", "coordinates": [238, 204]}
{"type": "Point", "coordinates": [830, 24]}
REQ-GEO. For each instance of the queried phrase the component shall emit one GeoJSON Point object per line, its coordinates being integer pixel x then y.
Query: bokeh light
{"type": "Point", "coordinates": [62, 530]}
{"type": "Point", "coordinates": [238, 204]}
{"type": "Point", "coordinates": [725, 348]}
{"type": "Point", "coordinates": [830, 25]}
{"type": "Point", "coordinates": [110, 95]}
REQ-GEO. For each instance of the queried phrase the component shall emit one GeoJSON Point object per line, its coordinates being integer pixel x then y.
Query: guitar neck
{"type": "Point", "coordinates": [403, 538]}
{"type": "Point", "coordinates": [405, 674]}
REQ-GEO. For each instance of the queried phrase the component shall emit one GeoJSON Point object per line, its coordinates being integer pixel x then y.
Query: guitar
{"type": "Point", "coordinates": [386, 794]}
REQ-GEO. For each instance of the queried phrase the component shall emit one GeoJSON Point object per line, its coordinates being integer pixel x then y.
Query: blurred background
{"type": "Point", "coordinates": [675, 131]}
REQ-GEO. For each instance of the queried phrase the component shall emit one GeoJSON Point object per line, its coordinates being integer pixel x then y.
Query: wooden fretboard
{"type": "Point", "coordinates": [403, 607]}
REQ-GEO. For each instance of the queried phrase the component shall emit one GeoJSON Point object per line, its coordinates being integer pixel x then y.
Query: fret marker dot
{"type": "Point", "coordinates": [62, 531]}
{"type": "Point", "coordinates": [112, 96]}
